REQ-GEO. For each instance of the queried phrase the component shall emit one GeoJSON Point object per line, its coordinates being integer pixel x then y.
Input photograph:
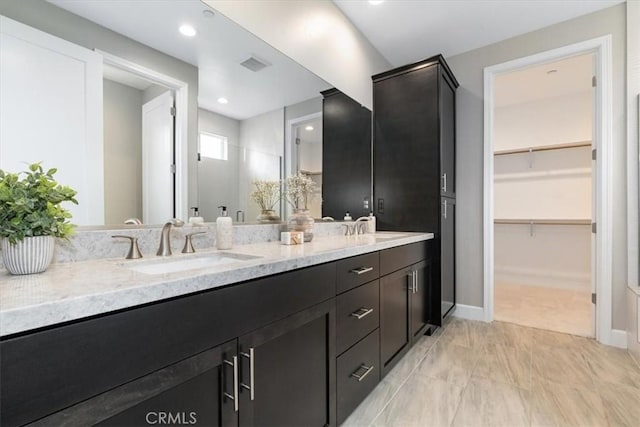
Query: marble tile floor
{"type": "Point", "coordinates": [501, 374]}
{"type": "Point", "coordinates": [554, 309]}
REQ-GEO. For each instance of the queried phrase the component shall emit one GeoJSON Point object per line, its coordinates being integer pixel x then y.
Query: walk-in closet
{"type": "Point", "coordinates": [543, 196]}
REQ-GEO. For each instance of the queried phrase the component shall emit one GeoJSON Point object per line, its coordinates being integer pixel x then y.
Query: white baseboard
{"type": "Point", "coordinates": [469, 312]}
{"type": "Point", "coordinates": [618, 338]}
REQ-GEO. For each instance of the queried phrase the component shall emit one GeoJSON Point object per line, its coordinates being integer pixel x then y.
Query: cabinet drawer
{"type": "Point", "coordinates": [358, 373]}
{"type": "Point", "coordinates": [358, 314]}
{"type": "Point", "coordinates": [357, 270]}
{"type": "Point", "coordinates": [394, 259]}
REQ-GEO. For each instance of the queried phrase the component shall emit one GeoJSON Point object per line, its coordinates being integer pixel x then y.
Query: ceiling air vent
{"type": "Point", "coordinates": [255, 64]}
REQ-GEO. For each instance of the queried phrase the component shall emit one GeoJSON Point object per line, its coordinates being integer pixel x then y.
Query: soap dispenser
{"type": "Point", "coordinates": [347, 217]}
{"type": "Point", "coordinates": [196, 219]}
{"type": "Point", "coordinates": [224, 230]}
{"type": "Point", "coordinates": [371, 225]}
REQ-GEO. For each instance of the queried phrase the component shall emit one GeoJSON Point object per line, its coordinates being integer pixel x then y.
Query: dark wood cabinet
{"type": "Point", "coordinates": [190, 392]}
{"type": "Point", "coordinates": [405, 299]}
{"type": "Point", "coordinates": [395, 337]}
{"type": "Point", "coordinates": [346, 156]}
{"type": "Point", "coordinates": [287, 373]}
{"type": "Point", "coordinates": [285, 350]}
{"type": "Point", "coordinates": [414, 162]}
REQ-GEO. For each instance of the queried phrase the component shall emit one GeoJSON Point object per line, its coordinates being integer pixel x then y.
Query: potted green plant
{"type": "Point", "coordinates": [300, 192]}
{"type": "Point", "coordinates": [266, 195]}
{"type": "Point", "coordinates": [31, 216]}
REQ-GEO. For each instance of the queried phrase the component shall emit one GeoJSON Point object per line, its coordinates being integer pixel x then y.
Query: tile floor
{"type": "Point", "coordinates": [501, 374]}
{"type": "Point", "coordinates": [559, 310]}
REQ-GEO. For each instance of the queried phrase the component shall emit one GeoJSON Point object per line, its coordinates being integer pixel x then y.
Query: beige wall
{"type": "Point", "coordinates": [317, 35]}
{"type": "Point", "coordinates": [58, 22]}
{"type": "Point", "coordinates": [468, 68]}
{"type": "Point", "coordinates": [122, 152]}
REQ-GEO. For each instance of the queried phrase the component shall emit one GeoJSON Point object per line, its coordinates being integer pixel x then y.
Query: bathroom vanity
{"type": "Point", "coordinates": [284, 335]}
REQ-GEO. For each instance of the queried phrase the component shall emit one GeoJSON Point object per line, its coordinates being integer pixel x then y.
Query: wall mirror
{"type": "Point", "coordinates": [258, 116]}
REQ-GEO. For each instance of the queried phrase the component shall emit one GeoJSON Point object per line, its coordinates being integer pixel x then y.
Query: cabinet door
{"type": "Point", "coordinates": [188, 392]}
{"type": "Point", "coordinates": [288, 371]}
{"type": "Point", "coordinates": [447, 137]}
{"type": "Point", "coordinates": [420, 298]}
{"type": "Point", "coordinates": [447, 256]}
{"type": "Point", "coordinates": [395, 336]}
{"type": "Point", "coordinates": [406, 150]}
{"type": "Point", "coordinates": [346, 156]}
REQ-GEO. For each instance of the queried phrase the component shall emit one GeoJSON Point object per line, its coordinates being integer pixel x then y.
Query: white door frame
{"type": "Point", "coordinates": [181, 90]}
{"type": "Point", "coordinates": [601, 48]}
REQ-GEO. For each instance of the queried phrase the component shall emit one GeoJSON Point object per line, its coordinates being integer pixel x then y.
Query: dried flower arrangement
{"type": "Point", "coordinates": [266, 194]}
{"type": "Point", "coordinates": [300, 190]}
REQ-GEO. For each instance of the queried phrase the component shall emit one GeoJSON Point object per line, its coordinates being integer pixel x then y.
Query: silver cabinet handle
{"type": "Point", "coordinates": [415, 280]}
{"type": "Point", "coordinates": [361, 312]}
{"type": "Point", "coordinates": [251, 386]}
{"type": "Point", "coordinates": [361, 270]}
{"type": "Point", "coordinates": [444, 182]}
{"type": "Point", "coordinates": [444, 210]}
{"type": "Point", "coordinates": [367, 370]}
{"type": "Point", "coordinates": [235, 383]}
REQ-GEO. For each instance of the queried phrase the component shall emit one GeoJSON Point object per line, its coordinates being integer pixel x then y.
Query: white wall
{"type": "Point", "coordinates": [317, 35]}
{"type": "Point", "coordinates": [633, 95]}
{"type": "Point", "coordinates": [218, 179]}
{"type": "Point", "coordinates": [262, 147]}
{"type": "Point", "coordinates": [468, 68]}
{"type": "Point", "coordinates": [557, 120]}
{"type": "Point", "coordinates": [122, 152]}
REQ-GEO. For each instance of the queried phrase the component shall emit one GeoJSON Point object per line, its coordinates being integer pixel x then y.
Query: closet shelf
{"type": "Point", "coordinates": [543, 148]}
{"type": "Point", "coordinates": [543, 221]}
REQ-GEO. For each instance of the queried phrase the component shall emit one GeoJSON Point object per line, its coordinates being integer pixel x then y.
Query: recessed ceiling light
{"type": "Point", "coordinates": [374, 2]}
{"type": "Point", "coordinates": [552, 71]}
{"type": "Point", "coordinates": [223, 100]}
{"type": "Point", "coordinates": [309, 128]}
{"type": "Point", "coordinates": [187, 30]}
{"type": "Point", "coordinates": [208, 13]}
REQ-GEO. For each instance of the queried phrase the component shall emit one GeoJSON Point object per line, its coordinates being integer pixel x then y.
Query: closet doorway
{"type": "Point", "coordinates": [543, 193]}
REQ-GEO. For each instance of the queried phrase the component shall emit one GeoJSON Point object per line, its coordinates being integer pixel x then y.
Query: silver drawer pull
{"type": "Point", "coordinates": [361, 270]}
{"type": "Point", "coordinates": [251, 385]}
{"type": "Point", "coordinates": [367, 370]}
{"type": "Point", "coordinates": [361, 312]}
{"type": "Point", "coordinates": [233, 397]}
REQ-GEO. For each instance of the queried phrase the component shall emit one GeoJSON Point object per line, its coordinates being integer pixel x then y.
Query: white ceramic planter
{"type": "Point", "coordinates": [29, 256]}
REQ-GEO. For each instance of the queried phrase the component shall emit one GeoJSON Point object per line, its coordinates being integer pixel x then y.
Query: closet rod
{"type": "Point", "coordinates": [544, 221]}
{"type": "Point", "coordinates": [543, 148]}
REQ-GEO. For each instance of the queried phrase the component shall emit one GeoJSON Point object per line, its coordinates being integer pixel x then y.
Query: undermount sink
{"type": "Point", "coordinates": [164, 266]}
{"type": "Point", "coordinates": [389, 235]}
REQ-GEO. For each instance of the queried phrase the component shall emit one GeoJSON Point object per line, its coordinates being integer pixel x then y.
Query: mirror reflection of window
{"type": "Point", "coordinates": [214, 146]}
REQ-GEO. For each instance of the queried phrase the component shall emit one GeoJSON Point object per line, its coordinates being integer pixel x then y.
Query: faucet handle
{"type": "Point", "coordinates": [188, 244]}
{"type": "Point", "coordinates": [134, 250]}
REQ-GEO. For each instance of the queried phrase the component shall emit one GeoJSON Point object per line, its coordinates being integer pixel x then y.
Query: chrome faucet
{"type": "Point", "coordinates": [362, 224]}
{"type": "Point", "coordinates": [165, 242]}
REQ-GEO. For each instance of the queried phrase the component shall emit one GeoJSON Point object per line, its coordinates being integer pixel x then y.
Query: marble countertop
{"type": "Point", "coordinates": [71, 291]}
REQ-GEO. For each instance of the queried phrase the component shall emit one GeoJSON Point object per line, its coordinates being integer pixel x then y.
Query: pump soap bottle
{"type": "Point", "coordinates": [196, 219]}
{"type": "Point", "coordinates": [224, 230]}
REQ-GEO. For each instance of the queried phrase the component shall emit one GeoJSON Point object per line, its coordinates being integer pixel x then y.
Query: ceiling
{"type": "Point", "coordinates": [406, 31]}
{"type": "Point", "coordinates": [571, 76]}
{"type": "Point", "coordinates": [217, 50]}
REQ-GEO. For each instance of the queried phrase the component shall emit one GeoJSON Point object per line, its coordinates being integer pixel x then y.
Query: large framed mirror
{"type": "Point", "coordinates": [188, 109]}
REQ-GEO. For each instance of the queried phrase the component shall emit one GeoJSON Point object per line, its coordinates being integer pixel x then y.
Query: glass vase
{"type": "Point", "coordinates": [301, 220]}
{"type": "Point", "coordinates": [268, 215]}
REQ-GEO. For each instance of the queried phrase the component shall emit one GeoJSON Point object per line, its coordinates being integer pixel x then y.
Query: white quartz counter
{"type": "Point", "coordinates": [72, 291]}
